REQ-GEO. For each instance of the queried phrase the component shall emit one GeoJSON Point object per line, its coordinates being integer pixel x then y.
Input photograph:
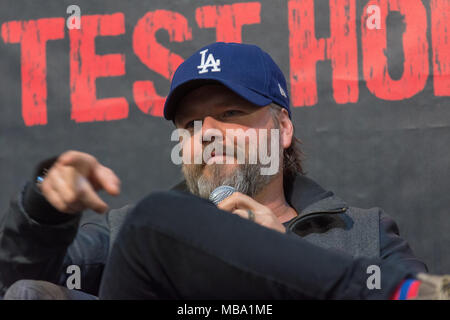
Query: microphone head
{"type": "Point", "coordinates": [221, 193]}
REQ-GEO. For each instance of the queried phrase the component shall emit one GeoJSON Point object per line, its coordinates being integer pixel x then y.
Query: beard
{"type": "Point", "coordinates": [244, 178]}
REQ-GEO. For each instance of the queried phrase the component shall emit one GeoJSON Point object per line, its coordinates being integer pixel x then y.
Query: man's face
{"type": "Point", "coordinates": [219, 108]}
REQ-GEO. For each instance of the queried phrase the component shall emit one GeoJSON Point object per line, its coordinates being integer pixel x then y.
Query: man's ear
{"type": "Point", "coordinates": [286, 129]}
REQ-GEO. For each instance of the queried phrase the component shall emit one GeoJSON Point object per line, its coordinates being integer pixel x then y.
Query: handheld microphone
{"type": "Point", "coordinates": [221, 193]}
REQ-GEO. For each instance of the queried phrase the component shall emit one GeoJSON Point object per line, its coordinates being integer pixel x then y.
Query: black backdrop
{"type": "Point", "coordinates": [372, 151]}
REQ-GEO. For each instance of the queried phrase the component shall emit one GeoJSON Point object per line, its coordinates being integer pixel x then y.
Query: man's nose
{"type": "Point", "coordinates": [211, 123]}
{"type": "Point", "coordinates": [212, 129]}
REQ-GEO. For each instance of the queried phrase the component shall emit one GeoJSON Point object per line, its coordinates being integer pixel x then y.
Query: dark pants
{"type": "Point", "coordinates": [174, 245]}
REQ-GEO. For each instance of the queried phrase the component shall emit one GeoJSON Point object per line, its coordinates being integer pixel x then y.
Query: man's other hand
{"type": "Point", "coordinates": [240, 204]}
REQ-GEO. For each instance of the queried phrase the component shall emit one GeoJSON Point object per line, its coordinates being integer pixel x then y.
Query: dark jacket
{"type": "Point", "coordinates": [38, 242]}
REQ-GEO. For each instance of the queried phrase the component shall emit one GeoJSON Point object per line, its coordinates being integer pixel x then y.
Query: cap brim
{"type": "Point", "coordinates": [182, 89]}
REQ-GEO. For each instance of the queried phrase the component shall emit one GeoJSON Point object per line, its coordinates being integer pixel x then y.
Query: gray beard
{"type": "Point", "coordinates": [246, 178]}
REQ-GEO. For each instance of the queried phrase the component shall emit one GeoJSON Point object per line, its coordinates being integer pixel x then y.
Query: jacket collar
{"type": "Point", "coordinates": [306, 196]}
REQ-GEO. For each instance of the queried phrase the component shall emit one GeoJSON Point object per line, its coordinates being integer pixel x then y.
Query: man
{"type": "Point", "coordinates": [280, 235]}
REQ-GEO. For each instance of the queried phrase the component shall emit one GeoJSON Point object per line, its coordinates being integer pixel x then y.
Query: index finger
{"type": "Point", "coordinates": [88, 197]}
{"type": "Point", "coordinates": [107, 179]}
{"type": "Point", "coordinates": [82, 161]}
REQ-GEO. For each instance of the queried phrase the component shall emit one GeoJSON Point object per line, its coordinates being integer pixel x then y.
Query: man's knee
{"type": "Point", "coordinates": [166, 206]}
{"type": "Point", "coordinates": [173, 213]}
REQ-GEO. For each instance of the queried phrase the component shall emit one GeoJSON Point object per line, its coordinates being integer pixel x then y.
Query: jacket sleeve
{"type": "Point", "coordinates": [396, 249]}
{"type": "Point", "coordinates": [31, 248]}
{"type": "Point", "coordinates": [88, 251]}
{"type": "Point", "coordinates": [39, 242]}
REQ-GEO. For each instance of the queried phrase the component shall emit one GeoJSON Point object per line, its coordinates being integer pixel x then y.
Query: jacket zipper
{"type": "Point", "coordinates": [313, 213]}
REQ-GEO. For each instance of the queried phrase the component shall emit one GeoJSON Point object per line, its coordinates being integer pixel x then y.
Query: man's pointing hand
{"type": "Point", "coordinates": [72, 183]}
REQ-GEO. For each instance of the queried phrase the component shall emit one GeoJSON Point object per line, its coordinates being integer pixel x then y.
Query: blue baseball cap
{"type": "Point", "coordinates": [243, 68]}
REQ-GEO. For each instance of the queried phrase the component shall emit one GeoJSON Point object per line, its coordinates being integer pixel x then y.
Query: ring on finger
{"type": "Point", "coordinates": [251, 215]}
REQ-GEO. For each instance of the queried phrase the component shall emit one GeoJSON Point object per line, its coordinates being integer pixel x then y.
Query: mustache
{"type": "Point", "coordinates": [220, 149]}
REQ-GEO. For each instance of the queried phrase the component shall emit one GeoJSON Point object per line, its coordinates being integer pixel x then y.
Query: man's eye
{"type": "Point", "coordinates": [189, 125]}
{"type": "Point", "coordinates": [231, 113]}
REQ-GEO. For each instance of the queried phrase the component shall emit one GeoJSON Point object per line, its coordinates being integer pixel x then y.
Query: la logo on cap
{"type": "Point", "coordinates": [209, 63]}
